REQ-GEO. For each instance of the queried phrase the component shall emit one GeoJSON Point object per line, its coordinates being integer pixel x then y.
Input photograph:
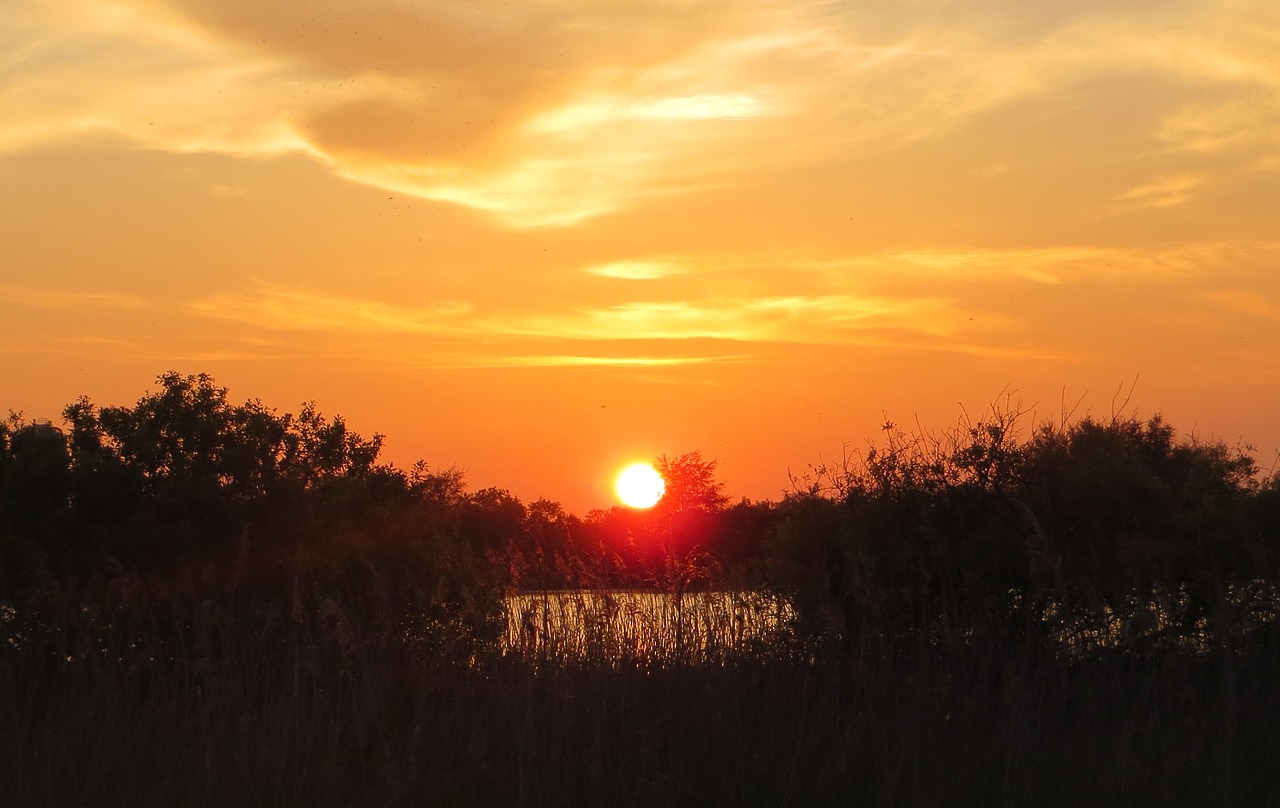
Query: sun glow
{"type": "Point", "coordinates": [640, 486]}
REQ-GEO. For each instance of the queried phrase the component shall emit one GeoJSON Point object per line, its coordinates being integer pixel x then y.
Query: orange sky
{"type": "Point", "coordinates": [538, 239]}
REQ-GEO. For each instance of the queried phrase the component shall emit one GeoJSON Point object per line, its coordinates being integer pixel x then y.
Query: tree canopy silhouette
{"type": "Point", "coordinates": [691, 484]}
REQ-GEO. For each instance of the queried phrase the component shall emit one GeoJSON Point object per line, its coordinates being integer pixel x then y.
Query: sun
{"type": "Point", "coordinates": [640, 486]}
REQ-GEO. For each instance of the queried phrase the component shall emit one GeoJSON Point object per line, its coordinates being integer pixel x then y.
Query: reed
{"type": "Point", "coordinates": [317, 701]}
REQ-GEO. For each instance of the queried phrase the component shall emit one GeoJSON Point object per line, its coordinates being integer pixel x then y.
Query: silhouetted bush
{"type": "Point", "coordinates": [1119, 531]}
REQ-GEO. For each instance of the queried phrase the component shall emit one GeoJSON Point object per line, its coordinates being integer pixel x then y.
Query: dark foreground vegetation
{"type": "Point", "coordinates": [204, 603]}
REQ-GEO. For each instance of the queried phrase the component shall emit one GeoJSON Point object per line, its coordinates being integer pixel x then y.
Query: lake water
{"type": "Point", "coordinates": [613, 625]}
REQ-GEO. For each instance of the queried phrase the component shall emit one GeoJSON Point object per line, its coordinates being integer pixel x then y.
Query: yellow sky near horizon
{"type": "Point", "coordinates": [535, 240]}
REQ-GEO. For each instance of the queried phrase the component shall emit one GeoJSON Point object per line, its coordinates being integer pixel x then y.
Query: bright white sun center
{"type": "Point", "coordinates": [640, 486]}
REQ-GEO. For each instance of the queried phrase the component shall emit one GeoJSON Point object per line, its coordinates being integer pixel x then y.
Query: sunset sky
{"type": "Point", "coordinates": [537, 240]}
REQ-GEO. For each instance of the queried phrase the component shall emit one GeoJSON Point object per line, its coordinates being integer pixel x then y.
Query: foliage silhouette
{"type": "Point", "coordinates": [1098, 526]}
{"type": "Point", "coordinates": [691, 484]}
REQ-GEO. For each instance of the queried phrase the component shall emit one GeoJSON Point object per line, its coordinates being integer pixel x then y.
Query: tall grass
{"type": "Point", "coordinates": [314, 701]}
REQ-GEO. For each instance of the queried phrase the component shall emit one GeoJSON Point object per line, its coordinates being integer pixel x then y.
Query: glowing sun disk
{"type": "Point", "coordinates": [640, 486]}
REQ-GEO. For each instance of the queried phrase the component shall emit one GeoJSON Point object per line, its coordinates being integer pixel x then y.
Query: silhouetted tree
{"type": "Point", "coordinates": [35, 472]}
{"type": "Point", "coordinates": [691, 484]}
{"type": "Point", "coordinates": [444, 487]}
{"type": "Point", "coordinates": [492, 519]}
{"type": "Point", "coordinates": [35, 494]}
{"type": "Point", "coordinates": [544, 553]}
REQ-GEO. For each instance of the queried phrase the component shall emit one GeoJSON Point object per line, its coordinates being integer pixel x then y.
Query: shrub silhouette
{"type": "Point", "coordinates": [1085, 522]}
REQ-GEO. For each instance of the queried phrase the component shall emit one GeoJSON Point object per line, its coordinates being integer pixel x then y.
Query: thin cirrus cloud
{"type": "Point", "coordinates": [548, 114]}
{"type": "Point", "coordinates": [1163, 192]}
{"type": "Point", "coordinates": [1248, 124]}
{"type": "Point", "coordinates": [436, 359]}
{"type": "Point", "coordinates": [286, 309]}
{"type": "Point", "coordinates": [960, 265]}
{"type": "Point", "coordinates": [1244, 302]}
{"type": "Point", "coordinates": [640, 269]}
{"type": "Point", "coordinates": [1065, 264]}
{"type": "Point", "coordinates": [795, 319]}
{"type": "Point", "coordinates": [64, 299]}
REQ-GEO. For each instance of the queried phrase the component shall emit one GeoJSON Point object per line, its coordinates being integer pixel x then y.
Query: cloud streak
{"type": "Point", "coordinates": [588, 362]}
{"type": "Point", "coordinates": [66, 300]}
{"type": "Point", "coordinates": [1058, 265]}
{"type": "Point", "coordinates": [1164, 192]}
{"type": "Point", "coordinates": [1052, 265]}
{"type": "Point", "coordinates": [777, 319]}
{"type": "Point", "coordinates": [640, 269]}
{"type": "Point", "coordinates": [796, 319]}
{"type": "Point", "coordinates": [281, 308]}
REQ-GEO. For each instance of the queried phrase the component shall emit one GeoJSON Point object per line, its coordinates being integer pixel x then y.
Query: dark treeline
{"type": "Point", "coordinates": [971, 527]}
{"type": "Point", "coordinates": [275, 616]}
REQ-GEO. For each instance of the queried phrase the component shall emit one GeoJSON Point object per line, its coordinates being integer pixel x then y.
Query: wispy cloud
{"type": "Point", "coordinates": [639, 269]}
{"type": "Point", "coordinates": [1249, 123]}
{"type": "Point", "coordinates": [796, 319]}
{"type": "Point", "coordinates": [576, 361]}
{"type": "Point", "coordinates": [1244, 302]}
{"type": "Point", "coordinates": [1163, 192]}
{"type": "Point", "coordinates": [1056, 265]}
{"type": "Point", "coordinates": [1050, 264]}
{"type": "Point", "coordinates": [575, 118]}
{"type": "Point", "coordinates": [817, 319]}
{"type": "Point", "coordinates": [65, 299]}
{"type": "Point", "coordinates": [281, 308]}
